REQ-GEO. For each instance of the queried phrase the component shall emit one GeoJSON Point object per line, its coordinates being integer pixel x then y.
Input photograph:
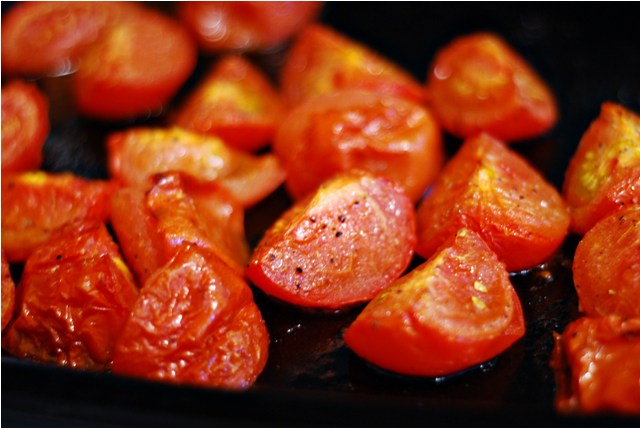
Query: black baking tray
{"type": "Point", "coordinates": [587, 52]}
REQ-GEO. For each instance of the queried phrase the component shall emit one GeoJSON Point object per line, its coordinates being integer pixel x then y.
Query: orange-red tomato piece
{"type": "Point", "coordinates": [492, 190]}
{"type": "Point", "coordinates": [338, 247]}
{"type": "Point", "coordinates": [236, 102]}
{"type": "Point", "coordinates": [349, 129]}
{"type": "Point", "coordinates": [604, 173]}
{"type": "Point", "coordinates": [8, 293]}
{"type": "Point", "coordinates": [597, 366]}
{"type": "Point", "coordinates": [74, 297]}
{"type": "Point", "coordinates": [322, 61]}
{"type": "Point", "coordinates": [456, 310]}
{"type": "Point", "coordinates": [35, 204]}
{"type": "Point", "coordinates": [478, 83]}
{"type": "Point", "coordinates": [606, 266]}
{"type": "Point", "coordinates": [25, 126]}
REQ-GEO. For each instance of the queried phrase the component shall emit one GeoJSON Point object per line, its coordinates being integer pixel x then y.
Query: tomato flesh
{"type": "Point", "coordinates": [8, 293]}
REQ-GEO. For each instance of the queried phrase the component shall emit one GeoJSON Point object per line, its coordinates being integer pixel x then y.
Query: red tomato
{"type": "Point", "coordinates": [606, 266]}
{"type": "Point", "coordinates": [322, 61]}
{"type": "Point", "coordinates": [195, 322]}
{"type": "Point", "coordinates": [597, 366]}
{"type": "Point", "coordinates": [137, 154]}
{"type": "Point", "coordinates": [135, 67]}
{"type": "Point", "coordinates": [8, 293]}
{"type": "Point", "coordinates": [236, 102]}
{"type": "Point", "coordinates": [73, 299]}
{"type": "Point", "coordinates": [223, 26]}
{"type": "Point", "coordinates": [35, 204]}
{"type": "Point", "coordinates": [338, 247]}
{"type": "Point", "coordinates": [25, 126]}
{"type": "Point", "coordinates": [604, 172]}
{"type": "Point", "coordinates": [356, 129]}
{"type": "Point", "coordinates": [478, 83]}
{"type": "Point", "coordinates": [492, 190]}
{"type": "Point", "coordinates": [455, 311]}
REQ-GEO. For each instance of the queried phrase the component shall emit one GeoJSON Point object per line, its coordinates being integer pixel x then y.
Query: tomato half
{"type": "Point", "coordinates": [597, 366]}
{"type": "Point", "coordinates": [74, 297]}
{"type": "Point", "coordinates": [604, 173]}
{"type": "Point", "coordinates": [137, 154]}
{"type": "Point", "coordinates": [25, 126]}
{"type": "Point", "coordinates": [8, 293]}
{"type": "Point", "coordinates": [322, 61]}
{"type": "Point", "coordinates": [348, 129]}
{"type": "Point", "coordinates": [338, 247]}
{"type": "Point", "coordinates": [35, 204]}
{"type": "Point", "coordinates": [224, 26]}
{"type": "Point", "coordinates": [478, 83]}
{"type": "Point", "coordinates": [606, 266]}
{"type": "Point", "coordinates": [492, 190]}
{"type": "Point", "coordinates": [455, 311]}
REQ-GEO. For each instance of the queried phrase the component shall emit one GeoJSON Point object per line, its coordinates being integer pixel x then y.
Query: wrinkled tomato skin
{"type": "Point", "coordinates": [356, 129]}
{"type": "Point", "coordinates": [8, 293]}
{"type": "Point", "coordinates": [604, 173]}
{"type": "Point", "coordinates": [455, 311]}
{"type": "Point", "coordinates": [236, 102]}
{"type": "Point", "coordinates": [338, 247]}
{"type": "Point", "coordinates": [220, 340]}
{"type": "Point", "coordinates": [73, 299]}
{"type": "Point", "coordinates": [478, 84]}
{"type": "Point", "coordinates": [606, 266]}
{"type": "Point", "coordinates": [25, 126]}
{"type": "Point", "coordinates": [597, 366]}
{"type": "Point", "coordinates": [490, 189]}
{"type": "Point", "coordinates": [35, 204]}
{"type": "Point", "coordinates": [322, 61]}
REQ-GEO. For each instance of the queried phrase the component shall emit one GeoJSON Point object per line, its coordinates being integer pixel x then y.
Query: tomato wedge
{"type": "Point", "coordinates": [25, 126]}
{"type": "Point", "coordinates": [8, 293]}
{"type": "Point", "coordinates": [74, 297]}
{"type": "Point", "coordinates": [338, 247]}
{"type": "Point", "coordinates": [478, 83]}
{"type": "Point", "coordinates": [604, 173]}
{"type": "Point", "coordinates": [455, 311]}
{"type": "Point", "coordinates": [492, 190]}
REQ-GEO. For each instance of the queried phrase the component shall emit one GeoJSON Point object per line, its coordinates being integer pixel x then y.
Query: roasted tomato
{"type": "Point", "coordinates": [25, 126]}
{"type": "Point", "coordinates": [478, 83]}
{"type": "Point", "coordinates": [74, 297]}
{"type": "Point", "coordinates": [492, 190]}
{"type": "Point", "coordinates": [236, 102]}
{"type": "Point", "coordinates": [8, 293]}
{"type": "Point", "coordinates": [455, 311]}
{"type": "Point", "coordinates": [604, 172]}
{"type": "Point", "coordinates": [35, 204]}
{"type": "Point", "coordinates": [195, 322]}
{"type": "Point", "coordinates": [322, 61]}
{"type": "Point", "coordinates": [349, 129]}
{"type": "Point", "coordinates": [137, 154]}
{"type": "Point", "coordinates": [135, 68]}
{"type": "Point", "coordinates": [223, 26]}
{"type": "Point", "coordinates": [597, 366]}
{"type": "Point", "coordinates": [606, 266]}
{"type": "Point", "coordinates": [338, 247]}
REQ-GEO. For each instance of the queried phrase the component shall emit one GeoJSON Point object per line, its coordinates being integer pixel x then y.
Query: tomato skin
{"type": "Point", "coordinates": [478, 83]}
{"type": "Point", "coordinates": [8, 293]}
{"type": "Point", "coordinates": [604, 173]}
{"type": "Point", "coordinates": [456, 310]}
{"type": "Point", "coordinates": [597, 366]}
{"type": "Point", "coordinates": [323, 61]}
{"type": "Point", "coordinates": [338, 247]}
{"type": "Point", "coordinates": [606, 266]}
{"type": "Point", "coordinates": [236, 102]}
{"type": "Point", "coordinates": [490, 189]}
{"type": "Point", "coordinates": [73, 299]}
{"type": "Point", "coordinates": [220, 340]}
{"type": "Point", "coordinates": [137, 154]}
{"type": "Point", "coordinates": [34, 204]}
{"type": "Point", "coordinates": [357, 129]}
{"type": "Point", "coordinates": [245, 26]}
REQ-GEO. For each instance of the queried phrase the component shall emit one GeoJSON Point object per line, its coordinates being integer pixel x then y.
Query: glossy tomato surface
{"type": "Point", "coordinates": [8, 293]}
